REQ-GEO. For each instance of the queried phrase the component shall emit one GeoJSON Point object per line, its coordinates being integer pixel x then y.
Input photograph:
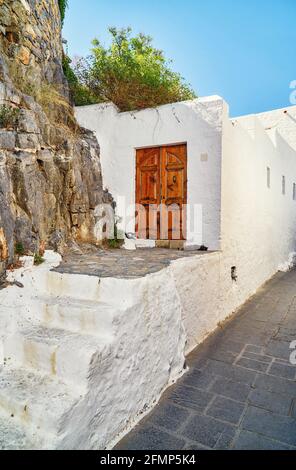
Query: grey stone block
{"type": "Point", "coordinates": [276, 385]}
{"type": "Point", "coordinates": [7, 140]}
{"type": "Point", "coordinates": [226, 439]}
{"type": "Point", "coordinates": [252, 441]}
{"type": "Point", "coordinates": [286, 334]}
{"type": "Point", "coordinates": [257, 357]}
{"type": "Point", "coordinates": [253, 365]}
{"type": "Point", "coordinates": [150, 438]}
{"type": "Point", "coordinates": [223, 356]}
{"type": "Point", "coordinates": [252, 348]}
{"type": "Point", "coordinates": [206, 430]}
{"type": "Point", "coordinates": [226, 410]}
{"type": "Point", "coordinates": [27, 122]}
{"type": "Point", "coordinates": [259, 339]}
{"type": "Point", "coordinates": [196, 446]}
{"type": "Point", "coordinates": [270, 401]}
{"type": "Point", "coordinates": [283, 370]}
{"type": "Point", "coordinates": [190, 397]}
{"type": "Point", "coordinates": [198, 379]}
{"type": "Point", "coordinates": [168, 416]}
{"type": "Point", "coordinates": [277, 427]}
{"type": "Point", "coordinates": [228, 388]}
{"type": "Point", "coordinates": [279, 349]}
{"type": "Point", "coordinates": [230, 371]}
{"type": "Point", "coordinates": [229, 345]}
{"type": "Point", "coordinates": [28, 141]}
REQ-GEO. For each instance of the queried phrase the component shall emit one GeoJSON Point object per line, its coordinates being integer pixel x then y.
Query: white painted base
{"type": "Point", "coordinates": [85, 357]}
{"type": "Point", "coordinates": [145, 243]}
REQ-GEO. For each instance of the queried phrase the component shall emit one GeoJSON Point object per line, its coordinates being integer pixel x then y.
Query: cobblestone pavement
{"type": "Point", "coordinates": [240, 391]}
{"type": "Point", "coordinates": [122, 263]}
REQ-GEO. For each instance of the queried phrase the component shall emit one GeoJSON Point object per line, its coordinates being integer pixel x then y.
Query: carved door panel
{"type": "Point", "coordinates": [173, 192]}
{"type": "Point", "coordinates": [161, 192]}
{"type": "Point", "coordinates": [147, 192]}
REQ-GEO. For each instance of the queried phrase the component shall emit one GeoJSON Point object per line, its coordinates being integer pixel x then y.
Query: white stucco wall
{"type": "Point", "coordinates": [197, 123]}
{"type": "Point", "coordinates": [258, 224]}
{"type": "Point", "coordinates": [255, 226]}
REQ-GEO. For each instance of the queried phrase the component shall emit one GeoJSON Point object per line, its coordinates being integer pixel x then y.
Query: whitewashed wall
{"type": "Point", "coordinates": [256, 225]}
{"type": "Point", "coordinates": [197, 123]}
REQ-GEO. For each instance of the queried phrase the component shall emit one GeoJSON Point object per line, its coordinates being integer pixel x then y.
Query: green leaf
{"type": "Point", "coordinates": [131, 73]}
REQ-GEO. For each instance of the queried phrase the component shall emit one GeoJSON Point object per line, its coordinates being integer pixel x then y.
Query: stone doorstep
{"type": "Point", "coordinates": [170, 244]}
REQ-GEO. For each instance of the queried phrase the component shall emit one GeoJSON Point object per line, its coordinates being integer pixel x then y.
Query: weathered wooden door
{"type": "Point", "coordinates": [161, 192]}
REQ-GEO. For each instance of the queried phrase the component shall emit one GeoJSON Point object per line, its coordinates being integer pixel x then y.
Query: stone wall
{"type": "Point", "coordinates": [31, 41]}
{"type": "Point", "coordinates": [50, 172]}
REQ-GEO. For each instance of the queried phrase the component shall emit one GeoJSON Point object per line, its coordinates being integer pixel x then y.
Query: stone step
{"type": "Point", "coordinates": [73, 285]}
{"type": "Point", "coordinates": [35, 402]}
{"type": "Point", "coordinates": [56, 352]}
{"type": "Point", "coordinates": [111, 291]}
{"type": "Point", "coordinates": [78, 316]}
{"type": "Point", "coordinates": [13, 436]}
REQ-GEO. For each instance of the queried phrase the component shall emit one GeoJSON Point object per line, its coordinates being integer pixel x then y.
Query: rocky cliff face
{"type": "Point", "coordinates": [50, 174]}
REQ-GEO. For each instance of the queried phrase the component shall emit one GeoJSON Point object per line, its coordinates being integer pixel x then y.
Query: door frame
{"type": "Point", "coordinates": [162, 146]}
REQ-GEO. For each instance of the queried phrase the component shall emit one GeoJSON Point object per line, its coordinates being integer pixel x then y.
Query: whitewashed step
{"type": "Point", "coordinates": [13, 436]}
{"type": "Point", "coordinates": [76, 315]}
{"type": "Point", "coordinates": [36, 402]}
{"type": "Point", "coordinates": [72, 285]}
{"type": "Point", "coordinates": [56, 352]}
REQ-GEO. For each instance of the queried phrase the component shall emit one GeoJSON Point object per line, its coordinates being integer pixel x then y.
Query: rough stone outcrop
{"type": "Point", "coordinates": [50, 173]}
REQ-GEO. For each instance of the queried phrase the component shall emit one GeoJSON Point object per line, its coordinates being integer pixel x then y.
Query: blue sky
{"type": "Point", "coordinates": [243, 50]}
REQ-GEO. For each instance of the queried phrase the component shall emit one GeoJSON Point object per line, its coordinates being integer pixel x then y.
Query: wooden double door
{"type": "Point", "coordinates": [161, 192]}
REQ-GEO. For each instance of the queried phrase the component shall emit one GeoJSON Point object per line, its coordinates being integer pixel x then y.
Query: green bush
{"type": "Point", "coordinates": [38, 259]}
{"type": "Point", "coordinates": [80, 94]}
{"type": "Point", "coordinates": [63, 4]}
{"type": "Point", "coordinates": [131, 73]}
{"type": "Point", "coordinates": [19, 249]}
{"type": "Point", "coordinates": [9, 116]}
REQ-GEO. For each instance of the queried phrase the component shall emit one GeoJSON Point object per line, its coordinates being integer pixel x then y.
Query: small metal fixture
{"type": "Point", "coordinates": [234, 273]}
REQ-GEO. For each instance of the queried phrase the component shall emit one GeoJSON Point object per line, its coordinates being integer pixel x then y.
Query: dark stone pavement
{"type": "Point", "coordinates": [122, 264]}
{"type": "Point", "coordinates": [240, 391]}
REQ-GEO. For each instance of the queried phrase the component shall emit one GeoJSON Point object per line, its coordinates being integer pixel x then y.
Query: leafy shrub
{"type": "Point", "coordinates": [9, 116]}
{"type": "Point", "coordinates": [80, 94]}
{"type": "Point", "coordinates": [38, 259]}
{"type": "Point", "coordinates": [118, 240]}
{"type": "Point", "coordinates": [131, 73]}
{"type": "Point", "coordinates": [19, 249]}
{"type": "Point", "coordinates": [63, 5]}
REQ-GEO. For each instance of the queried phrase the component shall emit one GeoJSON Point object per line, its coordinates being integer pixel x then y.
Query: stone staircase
{"type": "Point", "coordinates": [46, 370]}
{"type": "Point", "coordinates": [83, 357]}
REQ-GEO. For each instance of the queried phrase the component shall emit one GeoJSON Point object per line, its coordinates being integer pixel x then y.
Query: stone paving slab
{"type": "Point", "coordinates": [240, 390]}
{"type": "Point", "coordinates": [122, 264]}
